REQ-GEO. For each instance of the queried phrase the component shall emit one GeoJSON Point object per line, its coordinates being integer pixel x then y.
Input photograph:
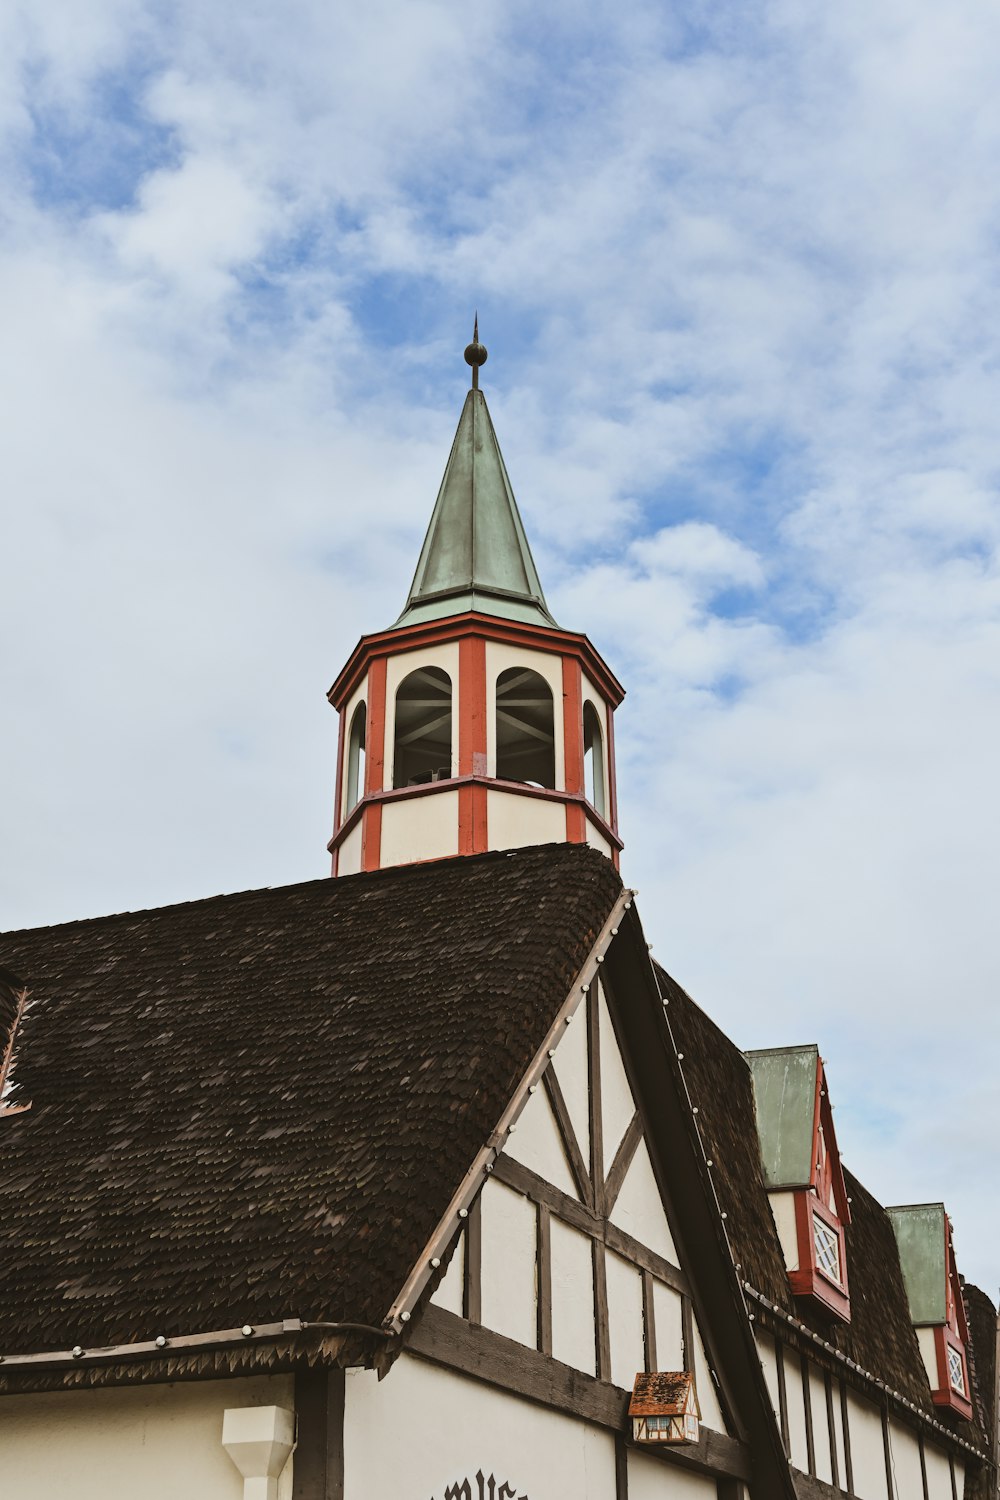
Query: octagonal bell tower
{"type": "Point", "coordinates": [475, 722]}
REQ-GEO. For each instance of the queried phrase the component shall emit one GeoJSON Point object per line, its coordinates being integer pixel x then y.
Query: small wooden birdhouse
{"type": "Point", "coordinates": [664, 1408]}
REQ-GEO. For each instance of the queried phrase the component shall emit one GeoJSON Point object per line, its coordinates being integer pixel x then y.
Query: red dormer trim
{"type": "Point", "coordinates": [822, 1213]}
{"type": "Point", "coordinates": [951, 1340]}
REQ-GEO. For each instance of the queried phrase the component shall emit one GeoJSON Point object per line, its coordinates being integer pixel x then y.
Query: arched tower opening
{"type": "Point", "coordinates": [525, 728]}
{"type": "Point", "coordinates": [422, 740]}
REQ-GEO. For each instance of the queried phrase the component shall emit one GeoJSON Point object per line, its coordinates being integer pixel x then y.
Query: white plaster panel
{"type": "Point", "coordinates": [573, 1338]}
{"type": "Point", "coordinates": [906, 1474]}
{"type": "Point", "coordinates": [349, 858]}
{"type": "Point", "coordinates": [398, 667]}
{"type": "Point", "coordinates": [928, 1353]}
{"type": "Point", "coordinates": [796, 1410]}
{"type": "Point", "coordinates": [838, 1435]}
{"type": "Point", "coordinates": [867, 1451]}
{"type": "Point", "coordinates": [652, 1478]}
{"type": "Point", "coordinates": [423, 827]}
{"type": "Point", "coordinates": [769, 1363]}
{"type": "Point", "coordinates": [571, 1067]}
{"type": "Point", "coordinates": [639, 1208]}
{"type": "Point", "coordinates": [157, 1441]}
{"type": "Point", "coordinates": [360, 695]}
{"type": "Point", "coordinates": [596, 839]}
{"type": "Point", "coordinates": [821, 1425]}
{"type": "Point", "coordinates": [423, 1429]}
{"type": "Point", "coordinates": [617, 1104]}
{"type": "Point", "coordinates": [509, 1230]}
{"type": "Point", "coordinates": [668, 1321]}
{"type": "Point", "coordinates": [783, 1212]}
{"type": "Point", "coordinates": [536, 1143]}
{"type": "Point", "coordinates": [450, 1293]}
{"type": "Point", "coordinates": [708, 1400]}
{"type": "Point", "coordinates": [938, 1474]}
{"type": "Point", "coordinates": [628, 1353]}
{"type": "Point", "coordinates": [548, 665]}
{"type": "Point", "coordinates": [512, 822]}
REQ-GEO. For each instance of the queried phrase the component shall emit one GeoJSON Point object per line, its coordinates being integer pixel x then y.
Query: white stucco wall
{"type": "Point", "coordinates": [651, 1479]}
{"type": "Point", "coordinates": [349, 858]}
{"type": "Point", "coordinates": [537, 1144]}
{"type": "Point", "coordinates": [596, 839]}
{"type": "Point", "coordinates": [450, 1293]}
{"type": "Point", "coordinates": [573, 1335]}
{"type": "Point", "coordinates": [867, 1451]}
{"type": "Point", "coordinates": [512, 822]}
{"type": "Point", "coordinates": [572, 1071]}
{"type": "Point", "coordinates": [765, 1351]}
{"type": "Point", "coordinates": [783, 1211]}
{"type": "Point", "coordinates": [639, 1209]}
{"type": "Point", "coordinates": [159, 1442]}
{"type": "Point", "coordinates": [399, 667]}
{"type": "Point", "coordinates": [669, 1320]}
{"type": "Point", "coordinates": [905, 1451]}
{"type": "Point", "coordinates": [939, 1473]}
{"type": "Point", "coordinates": [711, 1411]}
{"type": "Point", "coordinates": [838, 1435]}
{"type": "Point", "coordinates": [423, 1429]}
{"type": "Point", "coordinates": [928, 1352]}
{"type": "Point", "coordinates": [625, 1327]}
{"type": "Point", "coordinates": [821, 1425]}
{"type": "Point", "coordinates": [617, 1104]}
{"type": "Point", "coordinates": [796, 1411]}
{"type": "Point", "coordinates": [508, 1251]}
{"type": "Point", "coordinates": [498, 658]}
{"type": "Point", "coordinates": [420, 827]}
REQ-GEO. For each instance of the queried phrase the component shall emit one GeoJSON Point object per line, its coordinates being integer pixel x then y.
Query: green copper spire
{"type": "Point", "coordinates": [475, 554]}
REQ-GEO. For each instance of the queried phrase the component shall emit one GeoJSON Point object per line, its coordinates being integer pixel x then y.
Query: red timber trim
{"type": "Point", "coordinates": [953, 1334]}
{"type": "Point", "coordinates": [339, 794]}
{"type": "Point", "coordinates": [455, 627]}
{"type": "Point", "coordinates": [613, 785]}
{"type": "Point", "coordinates": [472, 830]}
{"type": "Point", "coordinates": [826, 1180]}
{"type": "Point", "coordinates": [576, 818]}
{"type": "Point", "coordinates": [486, 784]}
{"type": "Point", "coordinates": [371, 828]}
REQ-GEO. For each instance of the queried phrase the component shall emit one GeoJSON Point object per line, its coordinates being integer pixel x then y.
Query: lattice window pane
{"type": "Point", "coordinates": [827, 1243]}
{"type": "Point", "coordinates": [956, 1372]}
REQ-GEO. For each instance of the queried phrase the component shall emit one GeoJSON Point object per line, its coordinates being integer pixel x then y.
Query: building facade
{"type": "Point", "coordinates": [426, 1180]}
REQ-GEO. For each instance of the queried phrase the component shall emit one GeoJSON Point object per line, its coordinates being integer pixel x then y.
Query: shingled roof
{"type": "Point", "coordinates": [256, 1106]}
{"type": "Point", "coordinates": [880, 1337]}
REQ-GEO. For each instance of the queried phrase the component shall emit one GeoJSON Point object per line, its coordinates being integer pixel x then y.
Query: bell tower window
{"type": "Point", "coordinates": [422, 745]}
{"type": "Point", "coordinates": [356, 757]}
{"type": "Point", "coordinates": [593, 759]}
{"type": "Point", "coordinates": [525, 728]}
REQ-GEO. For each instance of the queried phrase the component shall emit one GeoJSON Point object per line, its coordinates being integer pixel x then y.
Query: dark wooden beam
{"type": "Point", "coordinates": [807, 1408]}
{"type": "Point", "coordinates": [831, 1423]}
{"type": "Point", "coordinates": [571, 1146]}
{"type": "Point", "coordinates": [845, 1421]}
{"type": "Point", "coordinates": [602, 1331]}
{"type": "Point", "coordinates": [516, 1175]}
{"type": "Point", "coordinates": [627, 1147]}
{"type": "Point", "coordinates": [596, 1107]}
{"type": "Point", "coordinates": [649, 1321]}
{"type": "Point", "coordinates": [779, 1363]}
{"type": "Point", "coordinates": [543, 1261]}
{"type": "Point", "coordinates": [447, 1340]}
{"type": "Point", "coordinates": [923, 1466]}
{"type": "Point", "coordinates": [472, 1292]}
{"type": "Point", "coordinates": [808, 1487]}
{"type": "Point", "coordinates": [887, 1451]}
{"type": "Point", "coordinates": [318, 1466]}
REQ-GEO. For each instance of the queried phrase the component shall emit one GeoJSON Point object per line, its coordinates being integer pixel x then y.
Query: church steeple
{"type": "Point", "coordinates": [475, 722]}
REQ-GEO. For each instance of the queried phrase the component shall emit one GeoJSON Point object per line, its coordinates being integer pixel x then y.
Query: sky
{"type": "Point", "coordinates": [737, 268]}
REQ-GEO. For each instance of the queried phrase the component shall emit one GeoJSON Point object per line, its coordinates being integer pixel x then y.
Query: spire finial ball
{"type": "Point", "coordinates": [475, 353]}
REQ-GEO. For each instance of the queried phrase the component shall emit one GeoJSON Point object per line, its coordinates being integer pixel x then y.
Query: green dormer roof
{"type": "Point", "coordinates": [922, 1237]}
{"type": "Point", "coordinates": [475, 554]}
{"type": "Point", "coordinates": [784, 1087]}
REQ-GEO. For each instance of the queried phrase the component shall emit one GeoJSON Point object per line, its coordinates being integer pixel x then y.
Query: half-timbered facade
{"type": "Point", "coordinates": [425, 1180]}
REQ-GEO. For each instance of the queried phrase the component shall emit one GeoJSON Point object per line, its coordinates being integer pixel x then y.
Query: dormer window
{"type": "Point", "coordinates": [934, 1289]}
{"type": "Point", "coordinates": [803, 1174]}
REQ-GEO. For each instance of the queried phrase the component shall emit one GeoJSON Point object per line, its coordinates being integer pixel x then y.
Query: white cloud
{"type": "Point", "coordinates": [737, 274]}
